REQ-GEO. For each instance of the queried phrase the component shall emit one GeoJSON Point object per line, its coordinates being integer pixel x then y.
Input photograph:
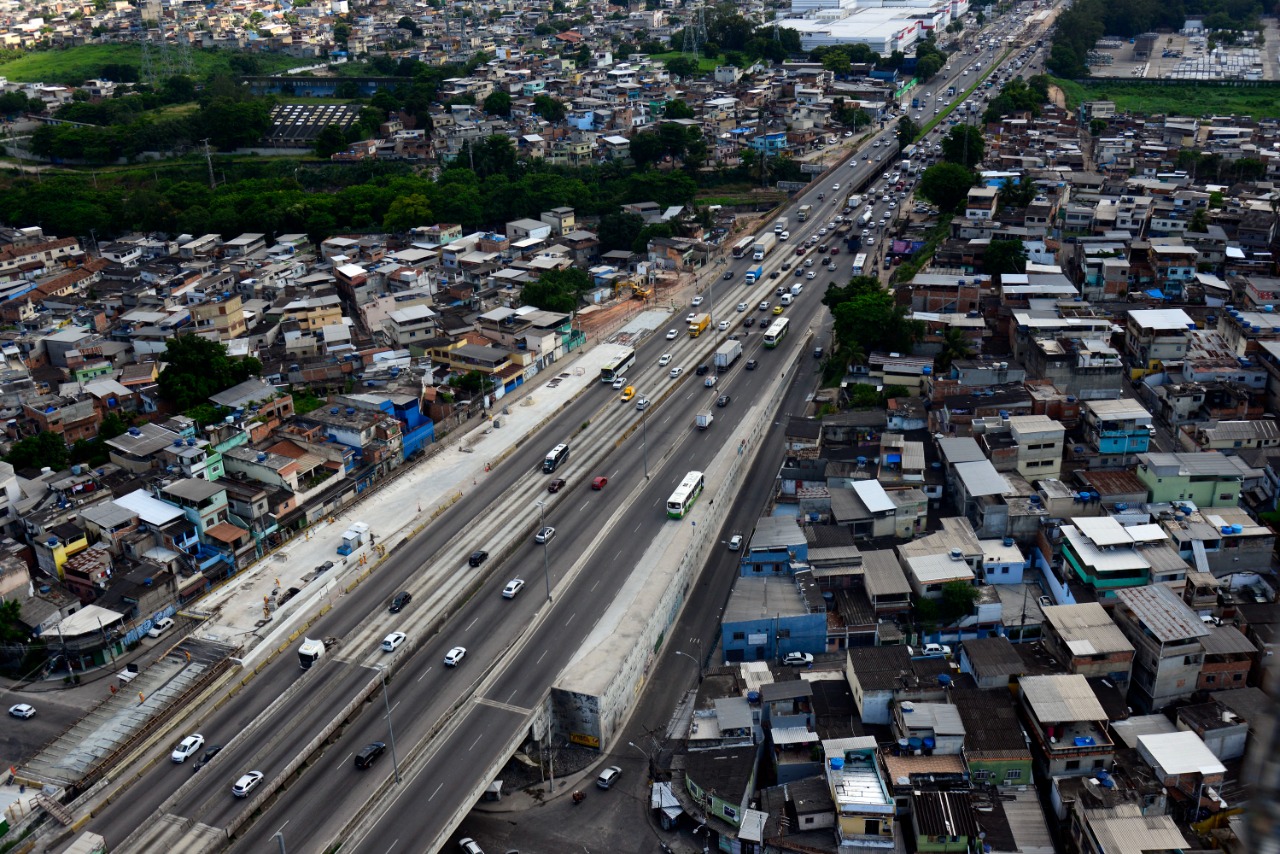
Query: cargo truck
{"type": "Point", "coordinates": [855, 201]}
{"type": "Point", "coordinates": [755, 274]}
{"type": "Point", "coordinates": [763, 245]}
{"type": "Point", "coordinates": [866, 218]}
{"type": "Point", "coordinates": [780, 225]}
{"type": "Point", "coordinates": [703, 420]}
{"type": "Point", "coordinates": [312, 651]}
{"type": "Point", "coordinates": [726, 355]}
{"type": "Point", "coordinates": [700, 322]}
{"type": "Point", "coordinates": [804, 212]}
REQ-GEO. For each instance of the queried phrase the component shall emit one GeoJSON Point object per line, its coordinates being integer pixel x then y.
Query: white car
{"type": "Point", "coordinates": [160, 627]}
{"type": "Point", "coordinates": [786, 235]}
{"type": "Point", "coordinates": [696, 301]}
{"type": "Point", "coordinates": [810, 275]}
{"type": "Point", "coordinates": [247, 784]}
{"type": "Point", "coordinates": [513, 587]}
{"type": "Point", "coordinates": [392, 641]}
{"type": "Point", "coordinates": [798, 659]}
{"type": "Point", "coordinates": [454, 656]}
{"type": "Point", "coordinates": [187, 748]}
{"type": "Point", "coordinates": [835, 186]}
{"type": "Point", "coordinates": [665, 360]}
{"type": "Point", "coordinates": [22, 710]}
{"type": "Point", "coordinates": [722, 325]}
{"type": "Point", "coordinates": [620, 383]}
{"type": "Point", "coordinates": [742, 306]}
{"type": "Point", "coordinates": [936, 649]}
{"type": "Point", "coordinates": [822, 231]}
{"type": "Point", "coordinates": [710, 382]}
{"type": "Point", "coordinates": [672, 334]}
{"type": "Point", "coordinates": [688, 318]}
{"type": "Point", "coordinates": [676, 372]}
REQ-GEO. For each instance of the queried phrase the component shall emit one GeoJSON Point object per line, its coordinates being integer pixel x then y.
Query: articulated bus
{"type": "Point", "coordinates": [681, 501]}
{"type": "Point", "coordinates": [859, 263]}
{"type": "Point", "coordinates": [618, 365]}
{"type": "Point", "coordinates": [776, 332]}
{"type": "Point", "coordinates": [743, 246]}
{"type": "Point", "coordinates": [558, 455]}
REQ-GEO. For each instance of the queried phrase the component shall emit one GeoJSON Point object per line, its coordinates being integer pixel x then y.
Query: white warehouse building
{"type": "Point", "coordinates": [882, 28]}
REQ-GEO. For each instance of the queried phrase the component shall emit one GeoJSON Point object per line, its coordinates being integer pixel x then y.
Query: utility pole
{"type": "Point", "coordinates": [208, 159]}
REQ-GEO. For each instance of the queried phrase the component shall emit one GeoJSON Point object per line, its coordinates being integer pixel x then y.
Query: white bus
{"type": "Point", "coordinates": [681, 501]}
{"type": "Point", "coordinates": [776, 332]}
{"type": "Point", "coordinates": [558, 455]}
{"type": "Point", "coordinates": [859, 263]}
{"type": "Point", "coordinates": [618, 365]}
{"type": "Point", "coordinates": [743, 246]}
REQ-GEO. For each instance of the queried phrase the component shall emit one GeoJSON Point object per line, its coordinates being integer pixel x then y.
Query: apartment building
{"type": "Point", "coordinates": [1166, 636]}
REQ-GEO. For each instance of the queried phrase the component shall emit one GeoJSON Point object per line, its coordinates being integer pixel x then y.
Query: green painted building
{"type": "Point", "coordinates": [1205, 478]}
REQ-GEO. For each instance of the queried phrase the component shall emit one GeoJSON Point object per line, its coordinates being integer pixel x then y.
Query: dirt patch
{"type": "Point", "coordinates": [1058, 97]}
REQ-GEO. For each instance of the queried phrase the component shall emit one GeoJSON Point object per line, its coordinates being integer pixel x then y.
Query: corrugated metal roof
{"type": "Point", "coordinates": [1087, 629]}
{"type": "Point", "coordinates": [961, 450]}
{"type": "Point", "coordinates": [981, 478]}
{"type": "Point", "coordinates": [1162, 613]}
{"type": "Point", "coordinates": [1226, 640]}
{"type": "Point", "coordinates": [1124, 829]}
{"type": "Point", "coordinates": [1061, 698]}
{"type": "Point", "coordinates": [873, 496]}
{"type": "Point", "coordinates": [883, 575]}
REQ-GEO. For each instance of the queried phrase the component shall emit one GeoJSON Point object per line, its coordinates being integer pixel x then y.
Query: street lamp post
{"type": "Point", "coordinates": [391, 733]}
{"type": "Point", "coordinates": [694, 660]}
{"type": "Point", "coordinates": [648, 758]}
{"type": "Point", "coordinates": [546, 563]}
{"type": "Point", "coordinates": [644, 442]}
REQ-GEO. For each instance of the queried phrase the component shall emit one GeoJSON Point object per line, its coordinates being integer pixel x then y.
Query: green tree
{"type": "Point", "coordinates": [907, 132]}
{"type": "Point", "coordinates": [498, 103]}
{"type": "Point", "coordinates": [36, 452]}
{"type": "Point", "coordinates": [955, 345]}
{"type": "Point", "coordinates": [927, 67]}
{"type": "Point", "coordinates": [958, 599]}
{"type": "Point", "coordinates": [682, 66]}
{"type": "Point", "coordinates": [964, 145]}
{"type": "Point", "coordinates": [1199, 222]}
{"type": "Point", "coordinates": [408, 212]}
{"type": "Point", "coordinates": [836, 61]}
{"type": "Point", "coordinates": [330, 140]}
{"type": "Point", "coordinates": [946, 185]}
{"type": "Point", "coordinates": [556, 290]}
{"type": "Point", "coordinates": [619, 230]}
{"type": "Point", "coordinates": [198, 368]}
{"type": "Point", "coordinates": [677, 109]}
{"type": "Point", "coordinates": [1017, 194]}
{"type": "Point", "coordinates": [341, 32]}
{"type": "Point", "coordinates": [549, 108]}
{"type": "Point", "coordinates": [1097, 126]}
{"type": "Point", "coordinates": [407, 23]}
{"type": "Point", "coordinates": [1004, 256]}
{"type": "Point", "coordinates": [12, 629]}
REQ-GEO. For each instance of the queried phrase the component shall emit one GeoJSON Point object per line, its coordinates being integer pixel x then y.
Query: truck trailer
{"type": "Point", "coordinates": [703, 420]}
{"type": "Point", "coordinates": [726, 355]}
{"type": "Point", "coordinates": [754, 275]}
{"type": "Point", "coordinates": [763, 246]}
{"type": "Point", "coordinates": [700, 323]}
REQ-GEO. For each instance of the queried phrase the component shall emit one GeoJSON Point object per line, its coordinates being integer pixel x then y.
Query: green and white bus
{"type": "Point", "coordinates": [776, 332]}
{"type": "Point", "coordinates": [681, 501]}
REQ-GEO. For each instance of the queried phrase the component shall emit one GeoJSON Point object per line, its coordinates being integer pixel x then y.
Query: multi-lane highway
{"type": "Point", "coordinates": [514, 640]}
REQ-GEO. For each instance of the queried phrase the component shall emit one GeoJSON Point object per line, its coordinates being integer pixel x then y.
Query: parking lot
{"type": "Point", "coordinates": [1181, 57]}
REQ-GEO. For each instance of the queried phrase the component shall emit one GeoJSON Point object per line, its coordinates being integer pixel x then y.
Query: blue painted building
{"type": "Point", "coordinates": [416, 429]}
{"type": "Point", "coordinates": [766, 618]}
{"type": "Point", "coordinates": [777, 547]}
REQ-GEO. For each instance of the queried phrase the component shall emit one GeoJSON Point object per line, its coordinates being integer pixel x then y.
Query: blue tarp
{"type": "Point", "coordinates": [1155, 293]}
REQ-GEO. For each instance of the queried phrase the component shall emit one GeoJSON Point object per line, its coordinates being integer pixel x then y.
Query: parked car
{"type": "Point", "coordinates": [798, 659]}
{"type": "Point", "coordinates": [160, 627]}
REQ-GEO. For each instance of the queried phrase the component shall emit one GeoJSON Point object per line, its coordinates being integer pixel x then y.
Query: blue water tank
{"type": "Point", "coordinates": [1226, 529]}
{"type": "Point", "coordinates": [1237, 529]}
{"type": "Point", "coordinates": [837, 762]}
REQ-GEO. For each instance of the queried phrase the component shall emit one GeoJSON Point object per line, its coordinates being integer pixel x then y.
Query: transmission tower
{"type": "Point", "coordinates": [185, 64]}
{"type": "Point", "coordinates": [166, 57]}
{"type": "Point", "coordinates": [148, 67]}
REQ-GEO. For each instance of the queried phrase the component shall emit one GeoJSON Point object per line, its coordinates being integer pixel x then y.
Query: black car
{"type": "Point", "coordinates": [728, 274]}
{"type": "Point", "coordinates": [368, 753]}
{"type": "Point", "coordinates": [775, 274]}
{"type": "Point", "coordinates": [749, 322]}
{"type": "Point", "coordinates": [207, 757]}
{"type": "Point", "coordinates": [478, 557]}
{"type": "Point", "coordinates": [751, 364]}
{"type": "Point", "coordinates": [404, 597]}
{"type": "Point", "coordinates": [723, 400]}
{"type": "Point", "coordinates": [701, 370]}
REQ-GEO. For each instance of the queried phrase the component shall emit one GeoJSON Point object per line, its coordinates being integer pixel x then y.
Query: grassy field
{"type": "Point", "coordinates": [705, 64]}
{"type": "Point", "coordinates": [1191, 100]}
{"type": "Point", "coordinates": [74, 65]}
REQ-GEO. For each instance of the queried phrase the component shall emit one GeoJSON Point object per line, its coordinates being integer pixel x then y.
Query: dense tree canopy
{"type": "Point", "coordinates": [866, 319]}
{"type": "Point", "coordinates": [946, 185]}
{"type": "Point", "coordinates": [198, 368]}
{"type": "Point", "coordinates": [557, 290]}
{"type": "Point", "coordinates": [964, 145]}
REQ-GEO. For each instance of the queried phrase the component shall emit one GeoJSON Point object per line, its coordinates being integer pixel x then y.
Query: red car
{"type": "Point", "coordinates": [835, 250]}
{"type": "Point", "coordinates": [555, 485]}
{"type": "Point", "coordinates": [599, 482]}
{"type": "Point", "coordinates": [799, 250]}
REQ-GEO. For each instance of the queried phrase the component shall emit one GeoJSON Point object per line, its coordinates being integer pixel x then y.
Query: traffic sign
{"type": "Point", "coordinates": [792, 186]}
{"type": "Point", "coordinates": [812, 168]}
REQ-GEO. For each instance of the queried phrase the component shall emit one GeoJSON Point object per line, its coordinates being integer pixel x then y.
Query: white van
{"type": "Point", "coordinates": [796, 289]}
{"type": "Point", "coordinates": [785, 299]}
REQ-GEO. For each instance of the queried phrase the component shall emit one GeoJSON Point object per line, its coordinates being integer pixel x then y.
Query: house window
{"type": "Point", "coordinates": [729, 812]}
{"type": "Point", "coordinates": [739, 636]}
{"type": "Point", "coordinates": [982, 775]}
{"type": "Point", "coordinates": [1013, 774]}
{"type": "Point", "coordinates": [784, 634]}
{"type": "Point", "coordinates": [1073, 764]}
{"type": "Point", "coordinates": [1226, 496]}
{"type": "Point", "coordinates": [1209, 679]}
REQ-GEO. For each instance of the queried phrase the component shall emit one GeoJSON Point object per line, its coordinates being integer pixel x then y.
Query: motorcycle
{"type": "Point", "coordinates": [579, 797]}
